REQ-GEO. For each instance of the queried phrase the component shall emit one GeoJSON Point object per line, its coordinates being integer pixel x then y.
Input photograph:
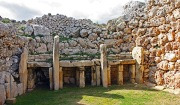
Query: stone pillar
{"type": "Point", "coordinates": [50, 78]}
{"type": "Point", "coordinates": [98, 75]}
{"type": "Point", "coordinates": [60, 78]}
{"type": "Point", "coordinates": [82, 78]}
{"type": "Point", "coordinates": [56, 63]}
{"type": "Point", "coordinates": [132, 72]}
{"type": "Point", "coordinates": [104, 65]}
{"type": "Point", "coordinates": [93, 76]}
{"type": "Point", "coordinates": [120, 74]}
{"type": "Point", "coordinates": [109, 75]}
{"type": "Point", "coordinates": [77, 77]}
{"type": "Point", "coordinates": [138, 55]}
{"type": "Point", "coordinates": [23, 73]}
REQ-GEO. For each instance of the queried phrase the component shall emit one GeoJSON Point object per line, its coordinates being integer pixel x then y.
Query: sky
{"type": "Point", "coordinates": [97, 10]}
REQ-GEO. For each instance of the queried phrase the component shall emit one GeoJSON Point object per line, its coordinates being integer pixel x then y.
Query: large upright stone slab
{"type": "Point", "coordinates": [109, 75]}
{"type": "Point", "coordinates": [104, 65]}
{"type": "Point", "coordinates": [56, 63]}
{"type": "Point", "coordinates": [2, 94]}
{"type": "Point", "coordinates": [98, 75]}
{"type": "Point", "coordinates": [60, 78]}
{"type": "Point", "coordinates": [50, 78]}
{"type": "Point", "coordinates": [23, 73]}
{"type": "Point", "coordinates": [82, 78]}
{"type": "Point", "coordinates": [93, 76]}
{"type": "Point", "coordinates": [138, 55]}
{"type": "Point", "coordinates": [120, 74]}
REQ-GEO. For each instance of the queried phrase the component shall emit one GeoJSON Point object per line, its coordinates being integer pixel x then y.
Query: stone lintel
{"type": "Point", "coordinates": [76, 63]}
{"type": "Point", "coordinates": [39, 64]}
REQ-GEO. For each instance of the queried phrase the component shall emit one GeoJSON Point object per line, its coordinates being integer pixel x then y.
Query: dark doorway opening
{"type": "Point", "coordinates": [69, 76]}
{"type": "Point", "coordinates": [126, 74]}
{"type": "Point", "coordinates": [114, 75]}
{"type": "Point", "coordinates": [42, 77]}
{"type": "Point", "coordinates": [88, 75]}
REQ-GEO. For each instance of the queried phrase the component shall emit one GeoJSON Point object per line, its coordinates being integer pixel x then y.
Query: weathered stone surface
{"type": "Point", "coordinates": [23, 69]}
{"type": "Point", "coordinates": [104, 65]}
{"type": "Point", "coordinates": [84, 33]}
{"type": "Point", "coordinates": [56, 63]}
{"type": "Point", "coordinates": [28, 30]}
{"type": "Point", "coordinates": [163, 65]}
{"type": "Point", "coordinates": [2, 94]}
{"type": "Point", "coordinates": [138, 54]}
{"type": "Point", "coordinates": [170, 57]}
{"type": "Point", "coordinates": [40, 30]}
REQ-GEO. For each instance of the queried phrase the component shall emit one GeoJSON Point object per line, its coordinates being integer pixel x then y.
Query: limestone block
{"type": "Point", "coordinates": [56, 63]}
{"type": "Point", "coordinates": [170, 57]}
{"type": "Point", "coordinates": [8, 90]}
{"type": "Point", "coordinates": [163, 65]}
{"type": "Point", "coordinates": [81, 77]}
{"type": "Point", "coordinates": [23, 69]}
{"type": "Point", "coordinates": [109, 75]}
{"type": "Point", "coordinates": [20, 88]}
{"type": "Point", "coordinates": [84, 33]}
{"type": "Point", "coordinates": [2, 94]}
{"type": "Point", "coordinates": [61, 78]}
{"type": "Point", "coordinates": [176, 13]}
{"type": "Point", "coordinates": [40, 30]}
{"type": "Point", "coordinates": [139, 73]}
{"type": "Point", "coordinates": [104, 65]}
{"type": "Point", "coordinates": [93, 76]}
{"type": "Point", "coordinates": [51, 78]}
{"type": "Point", "coordinates": [138, 54]}
{"type": "Point", "coordinates": [98, 75]}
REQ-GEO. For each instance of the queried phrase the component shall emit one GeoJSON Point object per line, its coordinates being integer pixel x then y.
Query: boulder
{"type": "Point", "coordinates": [84, 33]}
{"type": "Point", "coordinates": [170, 57]}
{"type": "Point", "coordinates": [4, 29]}
{"type": "Point", "coordinates": [28, 30]}
{"type": "Point", "coordinates": [163, 65]}
{"type": "Point", "coordinates": [40, 30]}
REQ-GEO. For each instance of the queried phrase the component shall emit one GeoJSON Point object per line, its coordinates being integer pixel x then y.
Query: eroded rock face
{"type": "Point", "coordinates": [40, 30]}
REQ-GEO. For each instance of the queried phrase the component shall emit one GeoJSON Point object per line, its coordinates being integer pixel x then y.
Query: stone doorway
{"type": "Point", "coordinates": [38, 78]}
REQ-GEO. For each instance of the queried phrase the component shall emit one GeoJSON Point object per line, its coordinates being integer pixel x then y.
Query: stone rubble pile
{"type": "Point", "coordinates": [77, 36]}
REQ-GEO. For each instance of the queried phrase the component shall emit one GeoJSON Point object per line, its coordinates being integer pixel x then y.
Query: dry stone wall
{"type": "Point", "coordinates": [161, 41]}
{"type": "Point", "coordinates": [10, 50]}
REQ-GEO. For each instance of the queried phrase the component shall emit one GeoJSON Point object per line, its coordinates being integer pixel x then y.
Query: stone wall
{"type": "Point", "coordinates": [161, 42]}
{"type": "Point", "coordinates": [10, 50]}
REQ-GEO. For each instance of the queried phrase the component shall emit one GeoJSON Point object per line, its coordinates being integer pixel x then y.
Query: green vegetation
{"type": "Point", "coordinates": [62, 38]}
{"type": "Point", "coordinates": [32, 36]}
{"type": "Point", "coordinates": [80, 56]}
{"type": "Point", "coordinates": [128, 94]}
{"type": "Point", "coordinates": [6, 20]}
{"type": "Point", "coordinates": [38, 53]}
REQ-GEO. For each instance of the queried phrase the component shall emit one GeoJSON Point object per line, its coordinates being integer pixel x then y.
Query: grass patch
{"type": "Point", "coordinates": [115, 95]}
